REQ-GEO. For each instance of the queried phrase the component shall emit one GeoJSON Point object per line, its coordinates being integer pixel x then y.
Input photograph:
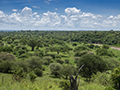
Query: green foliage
{"type": "Point", "coordinates": [80, 48]}
{"type": "Point", "coordinates": [32, 43]}
{"type": "Point", "coordinates": [55, 69]}
{"type": "Point", "coordinates": [39, 53]}
{"type": "Point", "coordinates": [74, 44]}
{"type": "Point", "coordinates": [58, 60]}
{"type": "Point", "coordinates": [111, 63]}
{"type": "Point", "coordinates": [115, 76]}
{"type": "Point", "coordinates": [22, 64]}
{"type": "Point", "coordinates": [101, 78]}
{"type": "Point", "coordinates": [67, 61]}
{"type": "Point", "coordinates": [91, 46]}
{"type": "Point", "coordinates": [6, 49]}
{"type": "Point", "coordinates": [65, 85]}
{"type": "Point", "coordinates": [18, 73]}
{"type": "Point", "coordinates": [38, 72]}
{"type": "Point", "coordinates": [80, 53]}
{"type": "Point", "coordinates": [47, 60]}
{"type": "Point", "coordinates": [68, 71]}
{"type": "Point", "coordinates": [104, 52]}
{"type": "Point", "coordinates": [7, 56]}
{"type": "Point", "coordinates": [6, 66]}
{"type": "Point", "coordinates": [19, 50]}
{"type": "Point", "coordinates": [35, 62]}
{"type": "Point", "coordinates": [1, 44]}
{"type": "Point", "coordinates": [105, 46]}
{"type": "Point", "coordinates": [92, 63]}
{"type": "Point", "coordinates": [32, 76]}
{"type": "Point", "coordinates": [23, 41]}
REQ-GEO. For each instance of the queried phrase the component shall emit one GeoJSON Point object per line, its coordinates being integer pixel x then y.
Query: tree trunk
{"type": "Point", "coordinates": [57, 52]}
{"type": "Point", "coordinates": [73, 81]}
{"type": "Point", "coordinates": [32, 48]}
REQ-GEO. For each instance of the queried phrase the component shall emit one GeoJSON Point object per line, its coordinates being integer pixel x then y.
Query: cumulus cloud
{"type": "Point", "coordinates": [14, 10]}
{"type": "Point", "coordinates": [36, 7]}
{"type": "Point", "coordinates": [74, 19]}
{"type": "Point", "coordinates": [73, 10]}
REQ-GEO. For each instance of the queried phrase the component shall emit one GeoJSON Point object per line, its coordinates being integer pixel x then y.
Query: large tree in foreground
{"type": "Point", "coordinates": [92, 64]}
{"type": "Point", "coordinates": [32, 43]}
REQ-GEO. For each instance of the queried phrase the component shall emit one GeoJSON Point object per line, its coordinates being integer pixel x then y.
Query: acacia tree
{"type": "Point", "coordinates": [92, 63]}
{"type": "Point", "coordinates": [32, 43]}
{"type": "Point", "coordinates": [115, 76]}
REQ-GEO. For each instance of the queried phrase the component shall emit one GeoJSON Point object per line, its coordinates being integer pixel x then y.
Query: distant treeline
{"type": "Point", "coordinates": [101, 37]}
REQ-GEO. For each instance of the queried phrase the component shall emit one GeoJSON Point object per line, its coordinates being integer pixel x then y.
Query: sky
{"type": "Point", "coordinates": [59, 14]}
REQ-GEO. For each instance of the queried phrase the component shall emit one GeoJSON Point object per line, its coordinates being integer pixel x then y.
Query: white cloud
{"type": "Point", "coordinates": [36, 7]}
{"type": "Point", "coordinates": [34, 13]}
{"type": "Point", "coordinates": [26, 12]}
{"type": "Point", "coordinates": [74, 19]}
{"type": "Point", "coordinates": [56, 9]}
{"type": "Point", "coordinates": [14, 10]}
{"type": "Point", "coordinates": [73, 10]}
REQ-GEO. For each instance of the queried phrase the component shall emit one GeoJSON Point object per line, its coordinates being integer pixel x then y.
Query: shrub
{"type": "Point", "coordinates": [7, 56]}
{"type": "Point", "coordinates": [55, 69]}
{"type": "Point", "coordinates": [58, 60]}
{"type": "Point", "coordinates": [6, 49]}
{"type": "Point", "coordinates": [18, 73]}
{"type": "Point", "coordinates": [79, 54]}
{"type": "Point", "coordinates": [38, 72]}
{"type": "Point", "coordinates": [68, 71]}
{"type": "Point", "coordinates": [35, 62]}
{"type": "Point", "coordinates": [101, 78]}
{"type": "Point", "coordinates": [5, 66]}
{"type": "Point", "coordinates": [47, 60]}
{"type": "Point", "coordinates": [80, 48]}
{"type": "Point", "coordinates": [92, 63]}
{"type": "Point", "coordinates": [115, 76]}
{"type": "Point", "coordinates": [105, 46]}
{"type": "Point", "coordinates": [66, 61]}
{"type": "Point", "coordinates": [90, 46]}
{"type": "Point", "coordinates": [32, 76]}
{"type": "Point", "coordinates": [74, 44]}
{"type": "Point", "coordinates": [65, 85]}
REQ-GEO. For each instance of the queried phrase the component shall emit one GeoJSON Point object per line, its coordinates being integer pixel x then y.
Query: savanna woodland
{"type": "Point", "coordinates": [50, 60]}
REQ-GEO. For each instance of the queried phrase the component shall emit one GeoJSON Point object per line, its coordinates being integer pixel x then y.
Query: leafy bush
{"type": "Point", "coordinates": [76, 59]}
{"type": "Point", "coordinates": [65, 85]}
{"type": "Point", "coordinates": [115, 76]}
{"type": "Point", "coordinates": [91, 46]}
{"type": "Point", "coordinates": [105, 46]}
{"type": "Point", "coordinates": [101, 78]}
{"type": "Point", "coordinates": [74, 44]}
{"type": "Point", "coordinates": [47, 60]}
{"type": "Point", "coordinates": [111, 63]}
{"type": "Point", "coordinates": [7, 56]}
{"type": "Point", "coordinates": [6, 66]}
{"type": "Point", "coordinates": [80, 48]}
{"type": "Point", "coordinates": [58, 60]}
{"type": "Point", "coordinates": [19, 50]}
{"type": "Point", "coordinates": [38, 72]}
{"type": "Point", "coordinates": [18, 73]}
{"type": "Point", "coordinates": [66, 61]}
{"type": "Point", "coordinates": [104, 52]}
{"type": "Point", "coordinates": [92, 63]}
{"type": "Point", "coordinates": [35, 62]}
{"type": "Point", "coordinates": [80, 53]}
{"type": "Point", "coordinates": [32, 76]}
{"type": "Point", "coordinates": [68, 71]}
{"type": "Point", "coordinates": [6, 49]}
{"type": "Point", "coordinates": [55, 69]}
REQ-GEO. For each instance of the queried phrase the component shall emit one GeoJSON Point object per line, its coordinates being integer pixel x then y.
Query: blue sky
{"type": "Point", "coordinates": [60, 14]}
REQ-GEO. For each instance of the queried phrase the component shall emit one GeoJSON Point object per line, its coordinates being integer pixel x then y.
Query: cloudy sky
{"type": "Point", "coordinates": [59, 14]}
